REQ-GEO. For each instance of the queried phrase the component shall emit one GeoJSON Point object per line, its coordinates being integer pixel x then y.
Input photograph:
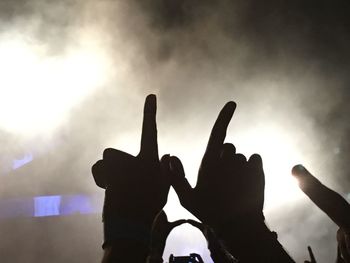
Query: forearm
{"type": "Point", "coordinates": [253, 242]}
{"type": "Point", "coordinates": [125, 251]}
{"type": "Point", "coordinates": [218, 251]}
{"type": "Point", "coordinates": [125, 241]}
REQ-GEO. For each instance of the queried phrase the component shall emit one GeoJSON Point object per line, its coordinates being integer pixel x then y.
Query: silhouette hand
{"type": "Point", "coordinates": [228, 187]}
{"type": "Point", "coordinates": [229, 197]}
{"type": "Point", "coordinates": [136, 186]}
{"type": "Point", "coordinates": [161, 228]}
{"type": "Point", "coordinates": [330, 202]}
{"type": "Point", "coordinates": [218, 251]}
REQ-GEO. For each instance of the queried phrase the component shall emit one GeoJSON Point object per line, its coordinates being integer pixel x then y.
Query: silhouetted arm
{"type": "Point", "coordinates": [330, 202]}
{"type": "Point", "coordinates": [160, 230]}
{"type": "Point", "coordinates": [136, 190]}
{"type": "Point", "coordinates": [218, 251]}
{"type": "Point", "coordinates": [229, 197]}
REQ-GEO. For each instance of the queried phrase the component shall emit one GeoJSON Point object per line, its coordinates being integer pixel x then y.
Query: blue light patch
{"type": "Point", "coordinates": [53, 205]}
{"type": "Point", "coordinates": [20, 162]}
{"type": "Point", "coordinates": [76, 204]}
{"type": "Point", "coordinates": [47, 205]}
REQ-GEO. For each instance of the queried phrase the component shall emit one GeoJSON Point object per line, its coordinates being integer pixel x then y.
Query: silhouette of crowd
{"type": "Point", "coordinates": [228, 199]}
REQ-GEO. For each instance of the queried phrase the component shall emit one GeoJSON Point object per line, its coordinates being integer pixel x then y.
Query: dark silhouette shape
{"type": "Point", "coordinates": [160, 230]}
{"type": "Point", "coordinates": [136, 190]}
{"type": "Point", "coordinates": [218, 251]}
{"type": "Point", "coordinates": [312, 257]}
{"type": "Point", "coordinates": [229, 196]}
{"type": "Point", "coordinates": [330, 202]}
{"type": "Point", "coordinates": [193, 258]}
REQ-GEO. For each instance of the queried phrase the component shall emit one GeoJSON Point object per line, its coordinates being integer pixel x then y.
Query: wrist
{"type": "Point", "coordinates": [119, 230]}
{"type": "Point", "coordinates": [250, 240]}
{"type": "Point", "coordinates": [154, 258]}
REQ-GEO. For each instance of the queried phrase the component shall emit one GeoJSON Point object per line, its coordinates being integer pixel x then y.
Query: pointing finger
{"type": "Point", "coordinates": [149, 145]}
{"type": "Point", "coordinates": [218, 132]}
{"type": "Point", "coordinates": [330, 202]}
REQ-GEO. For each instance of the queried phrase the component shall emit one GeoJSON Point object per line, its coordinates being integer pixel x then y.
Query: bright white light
{"type": "Point", "coordinates": [279, 153]}
{"type": "Point", "coordinates": [38, 90]}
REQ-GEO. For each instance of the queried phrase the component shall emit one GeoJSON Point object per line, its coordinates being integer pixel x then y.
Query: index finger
{"type": "Point", "coordinates": [149, 145]}
{"type": "Point", "coordinates": [218, 133]}
{"type": "Point", "coordinates": [329, 201]}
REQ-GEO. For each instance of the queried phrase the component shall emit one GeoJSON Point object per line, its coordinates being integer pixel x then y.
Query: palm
{"type": "Point", "coordinates": [135, 185]}
{"type": "Point", "coordinates": [228, 186]}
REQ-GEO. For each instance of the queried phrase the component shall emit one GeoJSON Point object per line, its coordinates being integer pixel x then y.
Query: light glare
{"type": "Point", "coordinates": [37, 90]}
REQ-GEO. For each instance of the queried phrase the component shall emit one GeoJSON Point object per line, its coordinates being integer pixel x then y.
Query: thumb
{"type": "Point", "coordinates": [179, 181]}
{"type": "Point", "coordinates": [329, 201]}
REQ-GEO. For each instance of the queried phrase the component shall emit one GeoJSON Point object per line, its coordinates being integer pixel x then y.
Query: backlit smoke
{"type": "Point", "coordinates": [75, 74]}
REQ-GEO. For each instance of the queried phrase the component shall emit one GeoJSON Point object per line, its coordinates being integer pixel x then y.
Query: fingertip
{"type": "Point", "coordinates": [299, 170]}
{"type": "Point", "coordinates": [165, 158]}
{"type": "Point", "coordinates": [151, 96]}
{"type": "Point", "coordinates": [256, 159]}
{"type": "Point", "coordinates": [107, 153]}
{"type": "Point", "coordinates": [231, 105]}
{"type": "Point", "coordinates": [150, 104]}
{"type": "Point", "coordinates": [175, 163]}
{"type": "Point", "coordinates": [228, 111]}
{"type": "Point", "coordinates": [240, 158]}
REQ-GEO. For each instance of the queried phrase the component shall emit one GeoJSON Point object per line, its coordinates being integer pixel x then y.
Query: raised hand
{"type": "Point", "coordinates": [229, 197]}
{"type": "Point", "coordinates": [228, 187]}
{"type": "Point", "coordinates": [330, 202]}
{"type": "Point", "coordinates": [136, 186]}
{"type": "Point", "coordinates": [160, 230]}
{"type": "Point", "coordinates": [218, 251]}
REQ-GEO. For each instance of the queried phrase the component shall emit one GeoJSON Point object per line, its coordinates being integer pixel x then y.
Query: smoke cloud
{"type": "Point", "coordinates": [285, 64]}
